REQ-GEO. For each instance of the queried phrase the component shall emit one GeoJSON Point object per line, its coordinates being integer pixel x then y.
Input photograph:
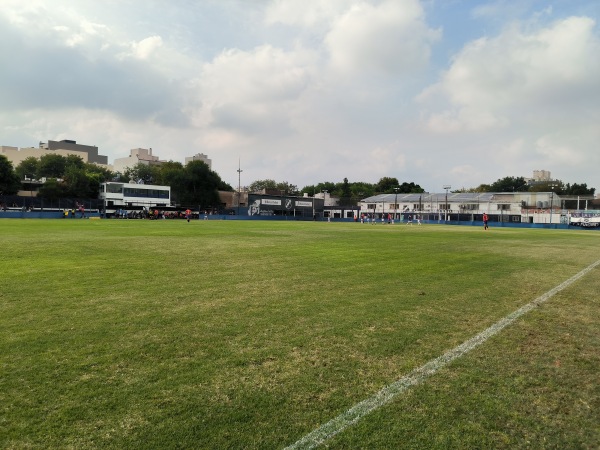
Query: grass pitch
{"type": "Point", "coordinates": [250, 334]}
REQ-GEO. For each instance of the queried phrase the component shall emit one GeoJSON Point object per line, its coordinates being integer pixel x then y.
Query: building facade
{"type": "Point", "coordinates": [88, 153]}
{"type": "Point", "coordinates": [199, 157]}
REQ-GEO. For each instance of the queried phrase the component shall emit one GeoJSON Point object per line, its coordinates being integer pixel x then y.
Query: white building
{"type": "Point", "coordinates": [528, 207]}
{"type": "Point", "coordinates": [133, 196]}
{"type": "Point", "coordinates": [199, 157]}
{"type": "Point", "coordinates": [136, 155]}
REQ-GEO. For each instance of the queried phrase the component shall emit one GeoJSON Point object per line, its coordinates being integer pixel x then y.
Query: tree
{"type": "Point", "coordinates": [168, 172]}
{"type": "Point", "coordinates": [386, 185]}
{"type": "Point", "coordinates": [196, 184]}
{"type": "Point", "coordinates": [74, 161]}
{"type": "Point", "coordinates": [52, 166]}
{"type": "Point", "coordinates": [361, 190]}
{"type": "Point", "coordinates": [286, 187]}
{"type": "Point", "coordinates": [551, 186]}
{"type": "Point", "coordinates": [77, 184]}
{"type": "Point", "coordinates": [28, 168]}
{"type": "Point", "coordinates": [410, 188]}
{"type": "Point", "coordinates": [52, 189]}
{"type": "Point", "coordinates": [9, 180]}
{"type": "Point", "coordinates": [259, 185]}
{"type": "Point", "coordinates": [510, 184]}
{"type": "Point", "coordinates": [579, 189]}
{"type": "Point", "coordinates": [142, 173]}
{"type": "Point", "coordinates": [346, 192]}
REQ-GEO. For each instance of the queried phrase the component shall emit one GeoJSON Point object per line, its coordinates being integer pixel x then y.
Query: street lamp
{"type": "Point", "coordinates": [447, 187]}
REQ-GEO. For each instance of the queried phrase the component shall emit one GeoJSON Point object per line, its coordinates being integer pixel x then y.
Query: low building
{"type": "Point", "coordinates": [530, 207]}
{"type": "Point", "coordinates": [132, 196]}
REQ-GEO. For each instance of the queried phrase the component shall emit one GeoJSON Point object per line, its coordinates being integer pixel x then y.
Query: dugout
{"type": "Point", "coordinates": [303, 208]}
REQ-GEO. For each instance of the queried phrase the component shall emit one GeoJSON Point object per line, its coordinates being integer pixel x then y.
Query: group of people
{"type": "Point", "coordinates": [154, 214]}
{"type": "Point", "coordinates": [72, 212]}
{"type": "Point", "coordinates": [368, 218]}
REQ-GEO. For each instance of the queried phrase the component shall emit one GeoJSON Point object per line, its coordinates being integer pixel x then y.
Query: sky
{"type": "Point", "coordinates": [435, 92]}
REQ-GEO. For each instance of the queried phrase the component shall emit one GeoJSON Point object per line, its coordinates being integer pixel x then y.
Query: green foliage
{"type": "Point", "coordinates": [386, 185]}
{"type": "Point", "coordinates": [510, 184]}
{"type": "Point", "coordinates": [74, 161]}
{"type": "Point", "coordinates": [362, 190]}
{"type": "Point", "coordinates": [272, 185]}
{"type": "Point", "coordinates": [168, 172]}
{"type": "Point", "coordinates": [259, 185]}
{"type": "Point", "coordinates": [9, 181]}
{"type": "Point", "coordinates": [80, 179]}
{"type": "Point", "coordinates": [53, 190]}
{"type": "Point", "coordinates": [145, 173]}
{"type": "Point", "coordinates": [28, 168]}
{"type": "Point", "coordinates": [51, 166]}
{"type": "Point", "coordinates": [195, 185]}
{"type": "Point", "coordinates": [410, 188]}
{"type": "Point", "coordinates": [346, 191]}
{"type": "Point", "coordinates": [578, 189]}
{"type": "Point", "coordinates": [551, 186]}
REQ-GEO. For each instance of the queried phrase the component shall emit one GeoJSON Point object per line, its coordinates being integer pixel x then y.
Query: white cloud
{"type": "Point", "coordinates": [517, 75]}
{"type": "Point", "coordinates": [253, 91]}
{"type": "Point", "coordinates": [305, 13]}
{"type": "Point", "coordinates": [307, 90]}
{"type": "Point", "coordinates": [391, 37]}
{"type": "Point", "coordinates": [146, 47]}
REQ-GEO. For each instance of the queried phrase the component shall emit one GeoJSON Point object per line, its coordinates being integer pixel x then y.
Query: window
{"type": "Point", "coordinates": [114, 188]}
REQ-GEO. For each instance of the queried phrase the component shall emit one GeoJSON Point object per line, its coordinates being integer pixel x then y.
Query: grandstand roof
{"type": "Point", "coordinates": [463, 197]}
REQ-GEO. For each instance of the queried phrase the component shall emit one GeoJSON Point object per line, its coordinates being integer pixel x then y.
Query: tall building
{"type": "Point", "coordinates": [88, 153]}
{"type": "Point", "coordinates": [136, 156]}
{"type": "Point", "coordinates": [199, 157]}
{"type": "Point", "coordinates": [73, 146]}
{"type": "Point", "coordinates": [542, 175]}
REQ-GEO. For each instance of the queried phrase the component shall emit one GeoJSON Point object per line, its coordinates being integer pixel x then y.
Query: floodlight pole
{"type": "Point", "coordinates": [447, 187]}
{"type": "Point", "coordinates": [396, 203]}
{"type": "Point", "coordinates": [551, 203]}
{"type": "Point", "coordinates": [239, 171]}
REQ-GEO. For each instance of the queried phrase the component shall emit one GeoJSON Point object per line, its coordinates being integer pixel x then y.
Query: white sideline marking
{"type": "Point", "coordinates": [388, 393]}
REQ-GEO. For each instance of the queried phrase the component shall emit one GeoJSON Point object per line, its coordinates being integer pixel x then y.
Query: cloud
{"type": "Point", "coordinates": [253, 91]}
{"type": "Point", "coordinates": [390, 37]}
{"type": "Point", "coordinates": [518, 75]}
{"type": "Point", "coordinates": [305, 13]}
{"type": "Point", "coordinates": [307, 90]}
{"type": "Point", "coordinates": [146, 47]}
{"type": "Point", "coordinates": [58, 74]}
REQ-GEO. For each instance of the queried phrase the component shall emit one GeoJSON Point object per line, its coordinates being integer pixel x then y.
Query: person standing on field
{"type": "Point", "coordinates": [188, 214]}
{"type": "Point", "coordinates": [485, 221]}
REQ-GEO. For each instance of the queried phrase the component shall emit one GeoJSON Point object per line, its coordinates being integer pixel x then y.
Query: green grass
{"type": "Point", "coordinates": [250, 334]}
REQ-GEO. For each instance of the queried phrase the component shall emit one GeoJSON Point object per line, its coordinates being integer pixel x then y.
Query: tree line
{"type": "Point", "coordinates": [71, 177]}
{"type": "Point", "coordinates": [348, 192]}
{"type": "Point", "coordinates": [195, 184]}
{"type": "Point", "coordinates": [519, 184]}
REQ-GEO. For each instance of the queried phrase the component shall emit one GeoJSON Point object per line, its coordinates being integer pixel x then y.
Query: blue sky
{"type": "Point", "coordinates": [432, 92]}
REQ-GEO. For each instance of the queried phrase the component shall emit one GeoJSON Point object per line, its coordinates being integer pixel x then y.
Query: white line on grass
{"type": "Point", "coordinates": [388, 393]}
